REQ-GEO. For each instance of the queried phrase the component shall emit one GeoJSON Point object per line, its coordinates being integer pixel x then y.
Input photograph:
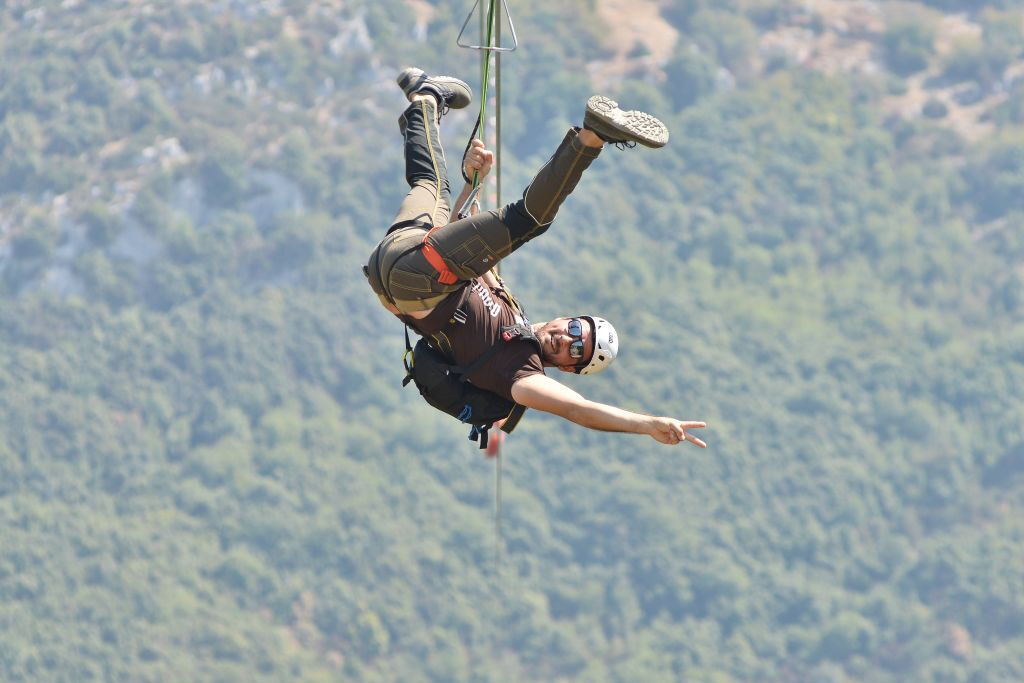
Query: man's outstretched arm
{"type": "Point", "coordinates": [540, 392]}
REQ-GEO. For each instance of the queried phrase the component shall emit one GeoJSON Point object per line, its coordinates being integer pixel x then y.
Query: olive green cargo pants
{"type": "Point", "coordinates": [403, 271]}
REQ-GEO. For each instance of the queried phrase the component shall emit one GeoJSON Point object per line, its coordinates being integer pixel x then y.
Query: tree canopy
{"type": "Point", "coordinates": [209, 471]}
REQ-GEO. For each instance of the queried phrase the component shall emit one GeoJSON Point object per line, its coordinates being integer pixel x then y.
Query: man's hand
{"type": "Point", "coordinates": [478, 159]}
{"type": "Point", "coordinates": [670, 431]}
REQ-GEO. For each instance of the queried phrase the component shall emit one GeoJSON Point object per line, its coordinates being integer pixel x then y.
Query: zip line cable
{"type": "Point", "coordinates": [494, 26]}
{"type": "Point", "coordinates": [490, 31]}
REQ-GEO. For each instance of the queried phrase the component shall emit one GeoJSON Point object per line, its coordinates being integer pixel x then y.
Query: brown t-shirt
{"type": "Point", "coordinates": [470, 321]}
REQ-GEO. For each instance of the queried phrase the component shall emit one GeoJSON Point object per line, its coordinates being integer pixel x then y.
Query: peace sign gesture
{"type": "Point", "coordinates": [670, 431]}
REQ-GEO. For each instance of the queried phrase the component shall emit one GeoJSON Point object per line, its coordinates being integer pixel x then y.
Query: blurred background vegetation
{"type": "Point", "coordinates": [208, 470]}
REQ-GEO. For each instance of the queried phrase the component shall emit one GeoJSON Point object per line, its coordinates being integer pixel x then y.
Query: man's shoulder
{"type": "Point", "coordinates": [511, 362]}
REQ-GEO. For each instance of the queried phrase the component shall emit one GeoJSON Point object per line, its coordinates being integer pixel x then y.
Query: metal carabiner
{"type": "Point", "coordinates": [464, 209]}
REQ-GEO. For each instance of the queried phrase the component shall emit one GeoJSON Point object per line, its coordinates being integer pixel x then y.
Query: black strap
{"type": "Point", "coordinates": [408, 359]}
{"type": "Point", "coordinates": [510, 298]}
{"type": "Point", "coordinates": [442, 344]}
{"type": "Point", "coordinates": [476, 127]}
{"type": "Point", "coordinates": [480, 434]}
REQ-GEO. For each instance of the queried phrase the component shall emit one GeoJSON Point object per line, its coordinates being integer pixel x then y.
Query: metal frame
{"type": "Point", "coordinates": [496, 48]}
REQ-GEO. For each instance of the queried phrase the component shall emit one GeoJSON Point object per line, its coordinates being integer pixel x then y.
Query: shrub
{"type": "Point", "coordinates": [101, 225]}
{"type": "Point", "coordinates": [935, 109]}
{"type": "Point", "coordinates": [967, 61]}
{"type": "Point", "coordinates": [909, 44]}
{"type": "Point", "coordinates": [692, 76]}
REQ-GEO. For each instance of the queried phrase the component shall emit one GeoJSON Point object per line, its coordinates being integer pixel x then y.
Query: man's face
{"type": "Point", "coordinates": [555, 339]}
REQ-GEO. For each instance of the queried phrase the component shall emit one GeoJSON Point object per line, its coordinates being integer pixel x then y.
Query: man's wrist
{"type": "Point", "coordinates": [647, 425]}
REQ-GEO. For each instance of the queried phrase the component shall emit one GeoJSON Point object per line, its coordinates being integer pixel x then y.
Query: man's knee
{"type": "Point", "coordinates": [430, 183]}
{"type": "Point", "coordinates": [520, 223]}
{"type": "Point", "coordinates": [420, 221]}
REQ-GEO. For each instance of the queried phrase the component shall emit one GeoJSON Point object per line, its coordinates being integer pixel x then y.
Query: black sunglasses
{"type": "Point", "coordinates": [575, 329]}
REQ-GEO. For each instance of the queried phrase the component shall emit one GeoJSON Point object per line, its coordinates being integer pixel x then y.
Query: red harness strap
{"type": "Point", "coordinates": [444, 275]}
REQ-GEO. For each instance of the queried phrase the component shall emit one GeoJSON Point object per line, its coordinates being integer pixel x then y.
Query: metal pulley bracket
{"type": "Point", "coordinates": [495, 48]}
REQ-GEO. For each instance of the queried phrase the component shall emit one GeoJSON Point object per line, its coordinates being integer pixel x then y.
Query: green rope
{"type": "Point", "coordinates": [489, 42]}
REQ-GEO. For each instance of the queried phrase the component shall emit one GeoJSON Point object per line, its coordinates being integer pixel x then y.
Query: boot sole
{"type": "Point", "coordinates": [606, 119]}
{"type": "Point", "coordinates": [412, 80]}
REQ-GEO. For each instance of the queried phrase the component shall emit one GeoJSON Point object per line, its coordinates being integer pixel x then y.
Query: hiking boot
{"type": "Point", "coordinates": [449, 91]}
{"type": "Point", "coordinates": [615, 126]}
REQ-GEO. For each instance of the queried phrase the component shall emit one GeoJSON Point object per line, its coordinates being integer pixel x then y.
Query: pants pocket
{"type": "Point", "coordinates": [474, 257]}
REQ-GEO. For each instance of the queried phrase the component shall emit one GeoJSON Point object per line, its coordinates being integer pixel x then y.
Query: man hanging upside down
{"type": "Point", "coordinates": [437, 276]}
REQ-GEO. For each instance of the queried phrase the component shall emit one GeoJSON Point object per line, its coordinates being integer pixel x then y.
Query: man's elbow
{"type": "Point", "coordinates": [566, 411]}
{"type": "Point", "coordinates": [577, 413]}
{"type": "Point", "coordinates": [544, 395]}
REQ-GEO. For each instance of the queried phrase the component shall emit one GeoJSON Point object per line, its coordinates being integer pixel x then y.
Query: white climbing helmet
{"type": "Point", "coordinates": [606, 345]}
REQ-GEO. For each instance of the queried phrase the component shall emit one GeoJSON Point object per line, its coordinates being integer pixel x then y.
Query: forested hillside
{"type": "Point", "coordinates": [209, 470]}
